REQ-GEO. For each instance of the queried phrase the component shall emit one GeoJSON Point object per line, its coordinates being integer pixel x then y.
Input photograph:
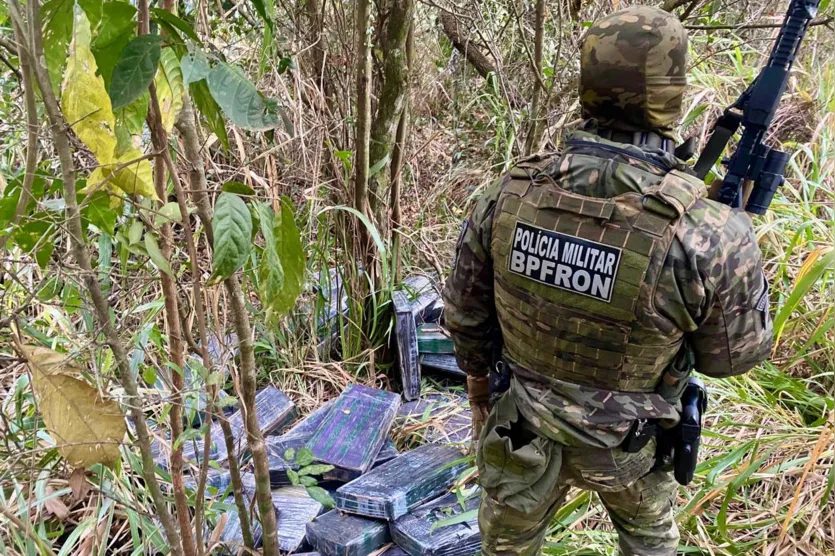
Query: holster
{"type": "Point", "coordinates": [679, 445]}
{"type": "Point", "coordinates": [499, 380]}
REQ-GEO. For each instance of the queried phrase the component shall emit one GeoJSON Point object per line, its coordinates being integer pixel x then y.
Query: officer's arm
{"type": "Point", "coordinates": [735, 331]}
{"type": "Point", "coordinates": [469, 309]}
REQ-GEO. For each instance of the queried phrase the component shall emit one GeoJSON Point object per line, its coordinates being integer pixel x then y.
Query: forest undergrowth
{"type": "Point", "coordinates": [767, 472]}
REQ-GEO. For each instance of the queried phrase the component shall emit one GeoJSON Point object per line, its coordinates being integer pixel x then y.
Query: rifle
{"type": "Point", "coordinates": [753, 161]}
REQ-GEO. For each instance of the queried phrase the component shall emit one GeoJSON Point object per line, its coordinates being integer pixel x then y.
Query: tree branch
{"type": "Point", "coordinates": [198, 189]}
{"type": "Point", "coordinates": [814, 23]}
{"type": "Point", "coordinates": [58, 128]}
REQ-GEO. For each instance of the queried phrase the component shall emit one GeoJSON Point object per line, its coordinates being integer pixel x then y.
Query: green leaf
{"type": "Point", "coordinates": [281, 269]}
{"type": "Point", "coordinates": [379, 165]}
{"type": "Point", "coordinates": [93, 9]}
{"type": "Point", "coordinates": [286, 63]}
{"type": "Point", "coordinates": [173, 40]}
{"type": "Point", "coordinates": [152, 247]}
{"type": "Point", "coordinates": [115, 32]}
{"type": "Point", "coordinates": [270, 269]}
{"type": "Point", "coordinates": [195, 66]}
{"type": "Point", "coordinates": [169, 212]}
{"type": "Point", "coordinates": [308, 481]}
{"type": "Point", "coordinates": [261, 8]}
{"type": "Point", "coordinates": [293, 476]}
{"type": "Point", "coordinates": [454, 520]}
{"type": "Point", "coordinates": [117, 19]}
{"type": "Point", "coordinates": [107, 57]}
{"type": "Point", "coordinates": [237, 188]}
{"type": "Point", "coordinates": [149, 375]}
{"type": "Point", "coordinates": [51, 289]}
{"type": "Point", "coordinates": [185, 27]}
{"type": "Point", "coordinates": [135, 232]}
{"type": "Point", "coordinates": [185, 436]}
{"type": "Point", "coordinates": [232, 227]}
{"type": "Point", "coordinates": [318, 469]}
{"type": "Point", "coordinates": [226, 401]}
{"type": "Point", "coordinates": [345, 157]}
{"type": "Point", "coordinates": [304, 457]}
{"type": "Point", "coordinates": [33, 233]}
{"type": "Point", "coordinates": [43, 254]}
{"type": "Point", "coordinates": [693, 115]}
{"type": "Point", "coordinates": [210, 110]}
{"type": "Point", "coordinates": [239, 99]}
{"type": "Point", "coordinates": [170, 88]}
{"type": "Point", "coordinates": [291, 253]}
{"type": "Point", "coordinates": [98, 211]}
{"type": "Point", "coordinates": [322, 496]}
{"type": "Point", "coordinates": [135, 69]}
{"type": "Point", "coordinates": [289, 454]}
{"type": "Point", "coordinates": [132, 117]}
{"type": "Point", "coordinates": [57, 17]}
{"type": "Point", "coordinates": [818, 262]}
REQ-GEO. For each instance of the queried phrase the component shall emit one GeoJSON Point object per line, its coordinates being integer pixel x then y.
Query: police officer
{"type": "Point", "coordinates": [610, 276]}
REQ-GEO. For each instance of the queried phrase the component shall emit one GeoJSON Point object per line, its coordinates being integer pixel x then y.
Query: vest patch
{"type": "Point", "coordinates": [565, 262]}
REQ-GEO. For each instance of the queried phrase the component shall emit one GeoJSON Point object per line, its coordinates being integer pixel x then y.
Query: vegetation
{"type": "Point", "coordinates": [178, 173]}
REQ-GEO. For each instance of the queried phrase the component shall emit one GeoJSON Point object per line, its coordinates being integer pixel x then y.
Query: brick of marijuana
{"type": "Point", "coordinates": [445, 363]}
{"type": "Point", "coordinates": [391, 490]}
{"type": "Point", "coordinates": [414, 531]}
{"type": "Point", "coordinates": [339, 534]}
{"type": "Point", "coordinates": [353, 433]}
{"type": "Point", "coordinates": [431, 338]}
{"type": "Point", "coordinates": [405, 330]}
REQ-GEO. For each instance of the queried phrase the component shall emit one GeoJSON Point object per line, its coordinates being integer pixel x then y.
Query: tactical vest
{"type": "Point", "coordinates": [575, 278]}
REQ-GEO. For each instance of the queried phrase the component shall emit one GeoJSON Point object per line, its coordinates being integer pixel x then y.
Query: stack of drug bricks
{"type": "Point", "coordinates": [422, 341]}
{"type": "Point", "coordinates": [382, 497]}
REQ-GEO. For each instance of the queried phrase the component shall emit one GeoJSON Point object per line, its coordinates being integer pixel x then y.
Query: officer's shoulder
{"type": "Point", "coordinates": [710, 228]}
{"type": "Point", "coordinates": [713, 216]}
{"type": "Point", "coordinates": [530, 166]}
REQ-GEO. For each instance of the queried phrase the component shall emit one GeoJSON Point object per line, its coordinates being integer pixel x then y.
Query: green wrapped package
{"type": "Point", "coordinates": [391, 490]}
{"type": "Point", "coordinates": [339, 534]}
{"type": "Point", "coordinates": [415, 534]}
{"type": "Point", "coordinates": [431, 338]}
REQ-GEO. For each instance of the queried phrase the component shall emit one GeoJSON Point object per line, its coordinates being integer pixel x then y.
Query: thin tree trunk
{"type": "Point", "coordinates": [315, 27]}
{"type": "Point", "coordinates": [32, 130]}
{"type": "Point", "coordinates": [243, 329]}
{"type": "Point", "coordinates": [363, 121]}
{"type": "Point", "coordinates": [255, 440]}
{"type": "Point", "coordinates": [397, 159]}
{"type": "Point", "coordinates": [159, 139]}
{"type": "Point", "coordinates": [58, 128]}
{"type": "Point", "coordinates": [199, 309]}
{"type": "Point", "coordinates": [391, 101]}
{"type": "Point", "coordinates": [534, 133]}
{"type": "Point", "coordinates": [175, 335]}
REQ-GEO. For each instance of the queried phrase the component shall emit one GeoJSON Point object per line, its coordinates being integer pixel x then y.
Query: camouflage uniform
{"type": "Point", "coordinates": [606, 269]}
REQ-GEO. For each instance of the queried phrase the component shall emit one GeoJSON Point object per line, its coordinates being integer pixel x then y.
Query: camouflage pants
{"type": "Point", "coordinates": [526, 477]}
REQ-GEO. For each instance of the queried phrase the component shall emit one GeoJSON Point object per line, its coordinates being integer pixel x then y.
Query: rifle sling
{"type": "Point", "coordinates": [724, 129]}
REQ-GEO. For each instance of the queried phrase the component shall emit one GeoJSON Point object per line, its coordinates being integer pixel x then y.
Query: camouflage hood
{"type": "Point", "coordinates": [633, 67]}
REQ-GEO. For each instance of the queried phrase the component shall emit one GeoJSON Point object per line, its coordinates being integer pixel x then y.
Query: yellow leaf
{"type": "Point", "coordinates": [86, 427]}
{"type": "Point", "coordinates": [84, 99]}
{"type": "Point", "coordinates": [137, 178]}
{"type": "Point", "coordinates": [97, 176]}
{"type": "Point", "coordinates": [169, 84]}
{"type": "Point", "coordinates": [134, 179]}
{"type": "Point", "coordinates": [810, 261]}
